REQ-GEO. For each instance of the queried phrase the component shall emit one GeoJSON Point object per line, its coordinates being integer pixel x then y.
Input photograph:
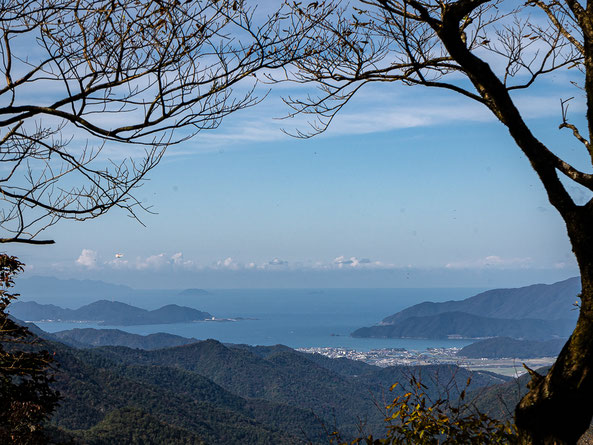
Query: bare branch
{"type": "Point", "coordinates": [145, 74]}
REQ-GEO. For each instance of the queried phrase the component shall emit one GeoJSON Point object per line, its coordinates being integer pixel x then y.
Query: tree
{"type": "Point", "coordinates": [413, 418]}
{"type": "Point", "coordinates": [26, 397]}
{"type": "Point", "coordinates": [450, 44]}
{"type": "Point", "coordinates": [84, 78]}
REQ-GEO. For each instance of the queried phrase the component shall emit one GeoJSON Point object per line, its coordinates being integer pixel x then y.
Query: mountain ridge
{"type": "Point", "coordinates": [90, 337]}
{"type": "Point", "coordinates": [104, 312]}
{"type": "Point", "coordinates": [536, 312]}
{"type": "Point", "coordinates": [540, 301]}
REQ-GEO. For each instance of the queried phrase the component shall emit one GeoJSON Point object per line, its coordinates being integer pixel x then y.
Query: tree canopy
{"type": "Point", "coordinates": [26, 397]}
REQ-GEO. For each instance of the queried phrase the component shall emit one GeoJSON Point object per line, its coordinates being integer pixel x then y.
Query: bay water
{"type": "Point", "coordinates": [297, 318]}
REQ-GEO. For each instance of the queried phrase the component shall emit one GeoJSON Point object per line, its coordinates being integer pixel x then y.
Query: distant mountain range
{"type": "Point", "coordinates": [534, 312]}
{"type": "Point", "coordinates": [86, 337]}
{"type": "Point", "coordinates": [110, 313]}
{"type": "Point", "coordinates": [73, 293]}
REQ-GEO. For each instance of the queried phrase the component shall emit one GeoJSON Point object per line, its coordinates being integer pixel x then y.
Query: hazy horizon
{"type": "Point", "coordinates": [298, 279]}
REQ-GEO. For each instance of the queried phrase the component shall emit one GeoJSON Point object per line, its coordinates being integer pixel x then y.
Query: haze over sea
{"type": "Point", "coordinates": [293, 317]}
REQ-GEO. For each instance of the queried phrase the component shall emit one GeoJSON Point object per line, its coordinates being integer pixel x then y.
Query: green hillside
{"type": "Point", "coordinates": [222, 394]}
{"type": "Point", "coordinates": [505, 347]}
{"type": "Point", "coordinates": [116, 337]}
{"type": "Point", "coordinates": [537, 312]}
{"type": "Point", "coordinates": [93, 386]}
{"type": "Point", "coordinates": [464, 325]}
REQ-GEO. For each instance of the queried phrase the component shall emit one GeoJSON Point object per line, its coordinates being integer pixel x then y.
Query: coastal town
{"type": "Point", "coordinates": [512, 367]}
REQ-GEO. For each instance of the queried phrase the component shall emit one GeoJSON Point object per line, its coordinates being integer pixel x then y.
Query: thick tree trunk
{"type": "Point", "coordinates": [559, 407]}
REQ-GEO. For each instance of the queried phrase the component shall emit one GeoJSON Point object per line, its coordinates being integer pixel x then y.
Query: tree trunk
{"type": "Point", "coordinates": [558, 407]}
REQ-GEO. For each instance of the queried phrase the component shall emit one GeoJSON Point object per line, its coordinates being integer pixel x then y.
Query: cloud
{"type": "Point", "coordinates": [162, 260]}
{"type": "Point", "coordinates": [87, 258]}
{"type": "Point", "coordinates": [118, 263]}
{"type": "Point", "coordinates": [227, 263]}
{"type": "Point", "coordinates": [152, 262]}
{"type": "Point", "coordinates": [373, 111]}
{"type": "Point", "coordinates": [353, 261]}
{"type": "Point", "coordinates": [277, 262]}
{"type": "Point", "coordinates": [178, 260]}
{"type": "Point", "coordinates": [342, 261]}
{"type": "Point", "coordinates": [491, 261]}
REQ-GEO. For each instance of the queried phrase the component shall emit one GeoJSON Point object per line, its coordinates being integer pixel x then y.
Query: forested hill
{"type": "Point", "coordinates": [220, 394]}
{"type": "Point", "coordinates": [104, 399]}
{"type": "Point", "coordinates": [537, 312]}
{"type": "Point", "coordinates": [89, 337]}
{"type": "Point", "coordinates": [463, 325]}
{"type": "Point", "coordinates": [538, 301]}
{"type": "Point", "coordinates": [505, 347]}
{"type": "Point", "coordinates": [112, 313]}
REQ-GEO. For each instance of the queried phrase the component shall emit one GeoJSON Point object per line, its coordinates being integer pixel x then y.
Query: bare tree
{"type": "Point", "coordinates": [83, 79]}
{"type": "Point", "coordinates": [451, 44]}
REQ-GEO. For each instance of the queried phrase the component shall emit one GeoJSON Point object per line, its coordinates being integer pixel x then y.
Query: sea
{"type": "Point", "coordinates": [298, 318]}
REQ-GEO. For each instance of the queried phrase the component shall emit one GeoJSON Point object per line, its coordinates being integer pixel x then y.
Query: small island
{"type": "Point", "coordinates": [193, 292]}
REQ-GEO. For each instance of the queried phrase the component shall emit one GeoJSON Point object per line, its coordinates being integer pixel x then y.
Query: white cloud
{"type": "Point", "coordinates": [87, 258]}
{"type": "Point", "coordinates": [227, 263]}
{"type": "Point", "coordinates": [151, 262]}
{"type": "Point", "coordinates": [491, 261]}
{"type": "Point", "coordinates": [178, 260]}
{"type": "Point", "coordinates": [278, 262]}
{"type": "Point", "coordinates": [353, 261]}
{"type": "Point", "coordinates": [118, 263]}
{"type": "Point", "coordinates": [342, 261]}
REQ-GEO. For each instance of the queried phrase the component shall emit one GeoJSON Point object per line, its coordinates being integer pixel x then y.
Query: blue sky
{"type": "Point", "coordinates": [409, 187]}
{"type": "Point", "coordinates": [450, 195]}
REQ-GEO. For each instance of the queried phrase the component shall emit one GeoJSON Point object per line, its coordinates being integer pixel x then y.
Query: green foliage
{"type": "Point", "coordinates": [282, 376]}
{"type": "Point", "coordinates": [505, 347]}
{"type": "Point", "coordinates": [230, 394]}
{"type": "Point", "coordinates": [270, 394]}
{"type": "Point", "coordinates": [26, 399]}
{"type": "Point", "coordinates": [99, 392]}
{"type": "Point", "coordinates": [413, 418]}
{"type": "Point", "coordinates": [130, 426]}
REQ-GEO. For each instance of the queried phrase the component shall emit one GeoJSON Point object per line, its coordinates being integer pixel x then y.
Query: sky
{"type": "Point", "coordinates": [408, 188]}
